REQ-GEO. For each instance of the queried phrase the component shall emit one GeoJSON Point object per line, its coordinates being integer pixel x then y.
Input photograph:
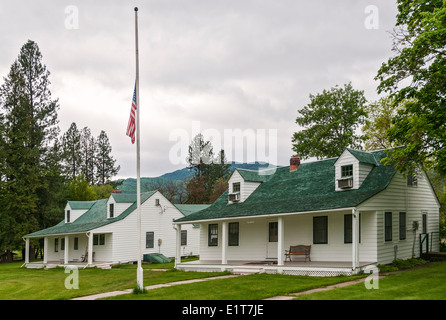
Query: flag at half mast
{"type": "Point", "coordinates": [131, 127]}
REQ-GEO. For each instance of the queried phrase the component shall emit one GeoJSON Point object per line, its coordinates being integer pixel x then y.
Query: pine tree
{"type": "Point", "coordinates": [104, 162]}
{"type": "Point", "coordinates": [71, 146]}
{"type": "Point", "coordinates": [88, 151]}
{"type": "Point", "coordinates": [29, 131]}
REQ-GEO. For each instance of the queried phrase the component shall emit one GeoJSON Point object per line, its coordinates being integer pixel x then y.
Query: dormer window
{"type": "Point", "coordinates": [347, 171]}
{"type": "Point", "coordinates": [235, 195]}
{"type": "Point", "coordinates": [112, 209]}
{"type": "Point", "coordinates": [346, 180]}
{"type": "Point", "coordinates": [68, 216]}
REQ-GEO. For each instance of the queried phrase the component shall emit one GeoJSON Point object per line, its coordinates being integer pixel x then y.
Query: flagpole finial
{"type": "Point", "coordinates": [136, 8]}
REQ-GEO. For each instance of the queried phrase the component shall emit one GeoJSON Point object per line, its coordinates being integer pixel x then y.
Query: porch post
{"type": "Point", "coordinates": [27, 250]}
{"type": "Point", "coordinates": [280, 241]}
{"type": "Point", "coordinates": [67, 245]}
{"type": "Point", "coordinates": [178, 246]}
{"type": "Point", "coordinates": [45, 250]}
{"type": "Point", "coordinates": [90, 248]}
{"type": "Point", "coordinates": [223, 242]}
{"type": "Point", "coordinates": [355, 239]}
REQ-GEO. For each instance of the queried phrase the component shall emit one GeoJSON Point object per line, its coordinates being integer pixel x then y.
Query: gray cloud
{"type": "Point", "coordinates": [227, 64]}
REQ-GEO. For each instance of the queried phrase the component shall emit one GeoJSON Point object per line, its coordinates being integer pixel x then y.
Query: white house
{"type": "Point", "coordinates": [352, 210]}
{"type": "Point", "coordinates": [104, 232]}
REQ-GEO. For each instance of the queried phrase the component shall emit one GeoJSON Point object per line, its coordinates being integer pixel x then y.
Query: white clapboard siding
{"type": "Point", "coordinates": [154, 218]}
{"type": "Point", "coordinates": [396, 198]}
{"type": "Point", "coordinates": [298, 229]}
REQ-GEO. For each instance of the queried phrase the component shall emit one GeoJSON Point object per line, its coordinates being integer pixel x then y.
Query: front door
{"type": "Point", "coordinates": [271, 249]}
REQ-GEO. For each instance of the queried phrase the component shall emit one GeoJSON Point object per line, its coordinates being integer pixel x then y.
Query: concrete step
{"type": "Point", "coordinates": [247, 270]}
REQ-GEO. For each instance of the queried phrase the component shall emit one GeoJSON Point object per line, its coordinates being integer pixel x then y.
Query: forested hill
{"type": "Point", "coordinates": [129, 184]}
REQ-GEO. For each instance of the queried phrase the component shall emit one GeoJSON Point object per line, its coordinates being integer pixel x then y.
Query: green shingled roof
{"type": "Point", "coordinates": [365, 157]}
{"type": "Point", "coordinates": [310, 188]}
{"type": "Point", "coordinates": [187, 209]}
{"type": "Point", "coordinates": [94, 218]}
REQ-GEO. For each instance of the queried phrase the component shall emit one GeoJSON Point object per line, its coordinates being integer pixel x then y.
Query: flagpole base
{"type": "Point", "coordinates": [139, 278]}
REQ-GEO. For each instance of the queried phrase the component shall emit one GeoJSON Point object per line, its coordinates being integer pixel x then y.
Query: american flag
{"type": "Point", "coordinates": [131, 127]}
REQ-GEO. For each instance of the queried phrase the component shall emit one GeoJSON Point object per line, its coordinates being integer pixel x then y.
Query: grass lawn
{"type": "Point", "coordinates": [250, 287]}
{"type": "Point", "coordinates": [421, 283]}
{"type": "Point", "coordinates": [38, 284]}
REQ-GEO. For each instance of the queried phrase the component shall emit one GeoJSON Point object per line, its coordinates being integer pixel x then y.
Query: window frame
{"type": "Point", "coordinates": [150, 242]}
{"type": "Point", "coordinates": [347, 171]}
{"type": "Point", "coordinates": [213, 235]}
{"type": "Point", "coordinates": [233, 234]}
{"type": "Point", "coordinates": [402, 217]}
{"type": "Point", "coordinates": [236, 187]}
{"type": "Point", "coordinates": [184, 237]}
{"type": "Point", "coordinates": [273, 232]}
{"type": "Point", "coordinates": [388, 226]}
{"type": "Point", "coordinates": [317, 229]}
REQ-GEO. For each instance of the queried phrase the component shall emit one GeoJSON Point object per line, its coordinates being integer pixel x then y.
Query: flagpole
{"type": "Point", "coordinates": [139, 271]}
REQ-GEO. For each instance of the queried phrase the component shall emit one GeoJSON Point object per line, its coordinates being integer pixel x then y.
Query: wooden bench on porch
{"type": "Point", "coordinates": [299, 250]}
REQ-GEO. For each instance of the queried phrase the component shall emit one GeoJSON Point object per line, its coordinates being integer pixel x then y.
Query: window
{"type": "Point", "coordinates": [348, 228]}
{"type": "Point", "coordinates": [402, 226]}
{"type": "Point", "coordinates": [99, 239]}
{"type": "Point", "coordinates": [236, 187]}
{"type": "Point", "coordinates": [112, 210]}
{"type": "Point", "coordinates": [233, 234]}
{"type": "Point", "coordinates": [150, 237]}
{"type": "Point", "coordinates": [62, 244]}
{"type": "Point", "coordinates": [273, 232]}
{"type": "Point", "coordinates": [157, 202]}
{"type": "Point", "coordinates": [320, 230]}
{"type": "Point", "coordinates": [56, 245]}
{"type": "Point", "coordinates": [347, 171]}
{"type": "Point", "coordinates": [68, 216]}
{"type": "Point", "coordinates": [183, 237]}
{"type": "Point", "coordinates": [412, 180]}
{"type": "Point", "coordinates": [424, 225]}
{"type": "Point", "coordinates": [388, 226]}
{"type": "Point", "coordinates": [213, 235]}
{"type": "Point", "coordinates": [76, 243]}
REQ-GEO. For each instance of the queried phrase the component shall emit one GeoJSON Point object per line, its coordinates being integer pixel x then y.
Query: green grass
{"type": "Point", "coordinates": [38, 284]}
{"type": "Point", "coordinates": [422, 283]}
{"type": "Point", "coordinates": [251, 287]}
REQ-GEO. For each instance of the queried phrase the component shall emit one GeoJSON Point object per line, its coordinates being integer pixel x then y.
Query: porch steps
{"type": "Point", "coordinates": [247, 270]}
{"type": "Point", "coordinates": [437, 256]}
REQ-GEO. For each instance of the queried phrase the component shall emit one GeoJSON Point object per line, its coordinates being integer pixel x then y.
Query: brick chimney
{"type": "Point", "coordinates": [117, 191]}
{"type": "Point", "coordinates": [294, 163]}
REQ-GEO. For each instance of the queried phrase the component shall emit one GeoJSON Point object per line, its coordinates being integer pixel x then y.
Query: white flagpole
{"type": "Point", "coordinates": [139, 271]}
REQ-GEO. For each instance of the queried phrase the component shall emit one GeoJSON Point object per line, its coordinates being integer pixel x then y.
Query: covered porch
{"type": "Point", "coordinates": [85, 249]}
{"type": "Point", "coordinates": [301, 268]}
{"type": "Point", "coordinates": [259, 243]}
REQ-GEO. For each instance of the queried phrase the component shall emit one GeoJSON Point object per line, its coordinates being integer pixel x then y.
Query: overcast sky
{"type": "Point", "coordinates": [218, 67]}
